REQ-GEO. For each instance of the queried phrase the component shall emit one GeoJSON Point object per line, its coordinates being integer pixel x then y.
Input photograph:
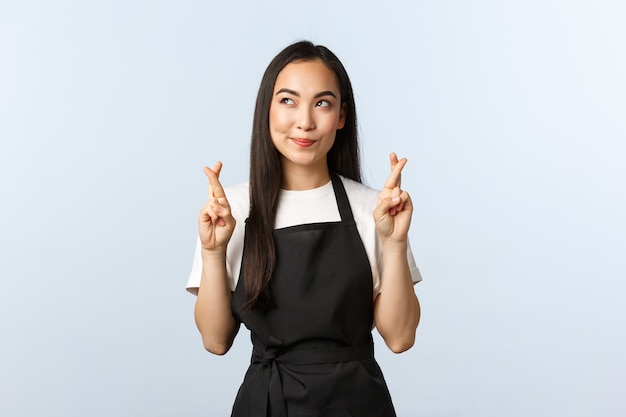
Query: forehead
{"type": "Point", "coordinates": [307, 75]}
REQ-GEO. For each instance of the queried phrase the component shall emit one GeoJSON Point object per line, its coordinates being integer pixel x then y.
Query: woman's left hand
{"type": "Point", "coordinates": [394, 209]}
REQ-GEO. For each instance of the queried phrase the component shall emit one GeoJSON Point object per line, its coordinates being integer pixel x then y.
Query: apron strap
{"type": "Point", "coordinates": [345, 211]}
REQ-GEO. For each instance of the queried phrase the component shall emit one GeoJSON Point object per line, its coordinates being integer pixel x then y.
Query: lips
{"type": "Point", "coordinates": [303, 142]}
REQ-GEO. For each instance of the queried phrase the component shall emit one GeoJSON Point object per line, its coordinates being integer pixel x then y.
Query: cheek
{"type": "Point", "coordinates": [331, 122]}
{"type": "Point", "coordinates": [278, 120]}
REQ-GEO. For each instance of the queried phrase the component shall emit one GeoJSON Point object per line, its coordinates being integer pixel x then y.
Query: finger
{"type": "Point", "coordinates": [215, 187]}
{"type": "Point", "coordinates": [387, 205]}
{"type": "Point", "coordinates": [218, 168]}
{"type": "Point", "coordinates": [215, 213]}
{"type": "Point", "coordinates": [393, 159]}
{"type": "Point", "coordinates": [208, 212]}
{"type": "Point", "coordinates": [208, 172]}
{"type": "Point", "coordinates": [223, 215]}
{"type": "Point", "coordinates": [398, 201]}
{"type": "Point", "coordinates": [405, 202]}
{"type": "Point", "coordinates": [382, 209]}
{"type": "Point", "coordinates": [395, 195]}
{"type": "Point", "coordinates": [393, 180]}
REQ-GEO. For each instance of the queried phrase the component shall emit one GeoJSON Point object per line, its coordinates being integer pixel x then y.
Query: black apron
{"type": "Point", "coordinates": [313, 355]}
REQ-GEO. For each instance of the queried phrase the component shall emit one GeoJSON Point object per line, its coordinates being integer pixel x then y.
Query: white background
{"type": "Point", "coordinates": [512, 115]}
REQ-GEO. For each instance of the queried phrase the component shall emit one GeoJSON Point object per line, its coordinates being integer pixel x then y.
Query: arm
{"type": "Point", "coordinates": [396, 308]}
{"type": "Point", "coordinates": [212, 312]}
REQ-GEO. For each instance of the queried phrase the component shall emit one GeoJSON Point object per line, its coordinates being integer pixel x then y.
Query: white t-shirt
{"type": "Point", "coordinates": [304, 207]}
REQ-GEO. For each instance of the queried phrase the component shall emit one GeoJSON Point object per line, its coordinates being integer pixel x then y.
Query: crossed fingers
{"type": "Point", "coordinates": [392, 185]}
{"type": "Point", "coordinates": [395, 177]}
{"type": "Point", "coordinates": [216, 196]}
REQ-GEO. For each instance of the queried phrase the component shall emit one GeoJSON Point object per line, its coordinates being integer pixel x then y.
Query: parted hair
{"type": "Point", "coordinates": [259, 256]}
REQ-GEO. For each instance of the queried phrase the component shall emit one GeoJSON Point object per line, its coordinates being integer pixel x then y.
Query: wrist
{"type": "Point", "coordinates": [394, 246]}
{"type": "Point", "coordinates": [212, 255]}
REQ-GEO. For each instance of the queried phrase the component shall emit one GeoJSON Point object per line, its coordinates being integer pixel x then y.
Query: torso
{"type": "Point", "coordinates": [313, 353]}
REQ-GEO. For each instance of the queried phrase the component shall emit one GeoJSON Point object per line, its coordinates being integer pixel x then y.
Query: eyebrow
{"type": "Point", "coordinates": [295, 93]}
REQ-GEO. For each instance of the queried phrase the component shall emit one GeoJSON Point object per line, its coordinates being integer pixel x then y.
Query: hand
{"type": "Point", "coordinates": [215, 221]}
{"type": "Point", "coordinates": [393, 212]}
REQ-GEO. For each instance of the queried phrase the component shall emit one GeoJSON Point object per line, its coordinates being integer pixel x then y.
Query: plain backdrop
{"type": "Point", "coordinates": [512, 115]}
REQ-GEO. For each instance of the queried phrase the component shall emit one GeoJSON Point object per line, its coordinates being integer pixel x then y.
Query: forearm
{"type": "Point", "coordinates": [396, 308]}
{"type": "Point", "coordinates": [212, 311]}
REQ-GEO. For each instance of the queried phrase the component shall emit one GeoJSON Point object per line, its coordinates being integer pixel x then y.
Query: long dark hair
{"type": "Point", "coordinates": [259, 257]}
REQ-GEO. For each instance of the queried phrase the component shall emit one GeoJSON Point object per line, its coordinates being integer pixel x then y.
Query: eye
{"type": "Point", "coordinates": [286, 100]}
{"type": "Point", "coordinates": [322, 103]}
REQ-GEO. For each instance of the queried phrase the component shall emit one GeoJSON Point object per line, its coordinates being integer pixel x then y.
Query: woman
{"type": "Point", "coordinates": [304, 255]}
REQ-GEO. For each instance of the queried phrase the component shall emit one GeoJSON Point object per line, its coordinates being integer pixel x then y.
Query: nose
{"type": "Point", "coordinates": [306, 120]}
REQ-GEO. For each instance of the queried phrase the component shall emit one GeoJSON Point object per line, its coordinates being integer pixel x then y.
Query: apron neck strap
{"type": "Point", "coordinates": [345, 211]}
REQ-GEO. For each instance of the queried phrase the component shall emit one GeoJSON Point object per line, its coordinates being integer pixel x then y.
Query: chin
{"type": "Point", "coordinates": [302, 161]}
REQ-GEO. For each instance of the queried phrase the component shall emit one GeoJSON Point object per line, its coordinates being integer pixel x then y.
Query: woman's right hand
{"type": "Point", "coordinates": [215, 221]}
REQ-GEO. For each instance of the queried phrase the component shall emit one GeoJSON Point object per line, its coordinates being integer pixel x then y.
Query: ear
{"type": "Point", "coordinates": [342, 116]}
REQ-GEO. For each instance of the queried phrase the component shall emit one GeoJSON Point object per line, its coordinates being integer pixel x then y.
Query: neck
{"type": "Point", "coordinates": [299, 178]}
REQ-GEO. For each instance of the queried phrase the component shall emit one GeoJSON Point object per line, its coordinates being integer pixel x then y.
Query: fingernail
{"type": "Point", "coordinates": [395, 199]}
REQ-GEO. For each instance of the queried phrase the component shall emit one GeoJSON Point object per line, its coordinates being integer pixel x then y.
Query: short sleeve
{"type": "Point", "coordinates": [363, 200]}
{"type": "Point", "coordinates": [193, 282]}
{"type": "Point", "coordinates": [238, 198]}
{"type": "Point", "coordinates": [416, 276]}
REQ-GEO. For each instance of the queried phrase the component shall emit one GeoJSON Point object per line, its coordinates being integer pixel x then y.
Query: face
{"type": "Point", "coordinates": [305, 113]}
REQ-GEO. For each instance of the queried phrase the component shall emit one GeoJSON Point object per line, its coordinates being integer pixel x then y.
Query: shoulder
{"type": "Point", "coordinates": [238, 191]}
{"type": "Point", "coordinates": [239, 199]}
{"type": "Point", "coordinates": [360, 195]}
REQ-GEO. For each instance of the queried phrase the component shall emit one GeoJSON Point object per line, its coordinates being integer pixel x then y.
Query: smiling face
{"type": "Point", "coordinates": [305, 113]}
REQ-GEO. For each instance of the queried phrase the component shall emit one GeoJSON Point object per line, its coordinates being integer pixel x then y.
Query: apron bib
{"type": "Point", "coordinates": [313, 355]}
